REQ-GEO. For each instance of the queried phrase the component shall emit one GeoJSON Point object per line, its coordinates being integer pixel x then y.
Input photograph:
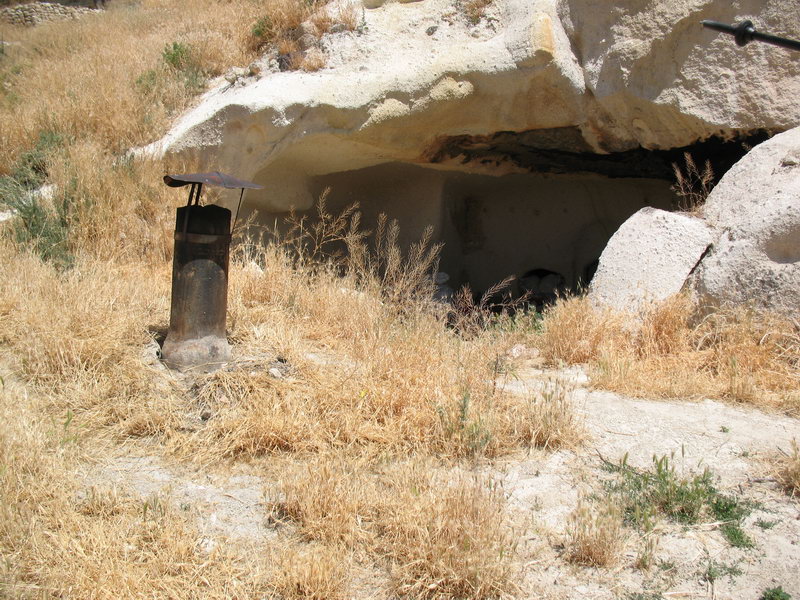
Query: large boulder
{"type": "Point", "coordinates": [755, 211]}
{"type": "Point", "coordinates": [648, 259]}
{"type": "Point", "coordinates": [419, 84]}
{"type": "Point", "coordinates": [745, 251]}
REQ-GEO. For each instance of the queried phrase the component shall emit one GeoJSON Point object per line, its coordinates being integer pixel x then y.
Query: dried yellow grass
{"type": "Point", "coordinates": [441, 536]}
{"type": "Point", "coordinates": [788, 470]}
{"type": "Point", "coordinates": [451, 540]}
{"type": "Point", "coordinates": [59, 538]}
{"type": "Point", "coordinates": [736, 354]}
{"type": "Point", "coordinates": [67, 77]}
{"type": "Point", "coordinates": [309, 573]}
{"type": "Point", "coordinates": [475, 10]}
{"type": "Point", "coordinates": [370, 371]}
{"type": "Point", "coordinates": [595, 535]}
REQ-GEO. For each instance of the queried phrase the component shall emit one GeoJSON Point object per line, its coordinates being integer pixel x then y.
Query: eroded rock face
{"type": "Point", "coordinates": [755, 211]}
{"type": "Point", "coordinates": [418, 75]}
{"type": "Point", "coordinates": [660, 80]}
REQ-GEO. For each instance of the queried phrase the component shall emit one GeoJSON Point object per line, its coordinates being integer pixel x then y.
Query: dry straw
{"type": "Point", "coordinates": [734, 353]}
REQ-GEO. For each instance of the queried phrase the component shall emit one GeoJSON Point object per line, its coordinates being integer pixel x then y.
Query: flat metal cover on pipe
{"type": "Point", "coordinates": [214, 178]}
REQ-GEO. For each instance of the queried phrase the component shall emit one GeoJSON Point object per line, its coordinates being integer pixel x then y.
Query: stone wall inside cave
{"type": "Point", "coordinates": [493, 227]}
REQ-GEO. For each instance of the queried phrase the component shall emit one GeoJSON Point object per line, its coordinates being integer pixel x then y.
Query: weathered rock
{"type": "Point", "coordinates": [661, 80]}
{"type": "Point", "coordinates": [637, 74]}
{"type": "Point", "coordinates": [523, 141]}
{"type": "Point", "coordinates": [755, 211]}
{"type": "Point", "coordinates": [35, 13]}
{"type": "Point", "coordinates": [648, 259]}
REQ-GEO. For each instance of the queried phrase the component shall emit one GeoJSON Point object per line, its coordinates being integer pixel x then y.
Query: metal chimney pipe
{"type": "Point", "coordinates": [196, 337]}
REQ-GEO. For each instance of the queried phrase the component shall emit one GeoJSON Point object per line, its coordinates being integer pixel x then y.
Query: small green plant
{"type": "Point", "coordinates": [716, 570]}
{"type": "Point", "coordinates": [733, 511]}
{"type": "Point", "coordinates": [736, 536]}
{"type": "Point", "coordinates": [646, 555]}
{"type": "Point", "coordinates": [263, 31]}
{"type": "Point", "coordinates": [724, 429]}
{"type": "Point", "coordinates": [30, 170]}
{"type": "Point", "coordinates": [646, 495]}
{"type": "Point", "coordinates": [147, 82]}
{"type": "Point", "coordinates": [180, 58]}
{"type": "Point", "coordinates": [65, 432]}
{"type": "Point", "coordinates": [153, 508]}
{"type": "Point", "coordinates": [775, 594]}
{"type": "Point", "coordinates": [665, 565]}
{"type": "Point", "coordinates": [766, 524]}
{"type": "Point", "coordinates": [41, 223]}
{"type": "Point", "coordinates": [177, 55]}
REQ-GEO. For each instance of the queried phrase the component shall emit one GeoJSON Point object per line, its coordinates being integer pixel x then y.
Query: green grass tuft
{"type": "Point", "coordinates": [775, 594]}
{"type": "Point", "coordinates": [662, 492]}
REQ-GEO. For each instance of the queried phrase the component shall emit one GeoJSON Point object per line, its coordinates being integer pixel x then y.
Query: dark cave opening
{"type": "Point", "coordinates": [534, 205]}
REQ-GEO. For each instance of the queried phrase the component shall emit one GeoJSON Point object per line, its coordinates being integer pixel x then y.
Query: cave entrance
{"type": "Point", "coordinates": [520, 204]}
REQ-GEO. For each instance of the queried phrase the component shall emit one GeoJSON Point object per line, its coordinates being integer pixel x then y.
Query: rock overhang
{"type": "Point", "coordinates": [527, 93]}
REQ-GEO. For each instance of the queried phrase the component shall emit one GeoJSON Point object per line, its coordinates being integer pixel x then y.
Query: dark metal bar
{"type": "Point", "coordinates": [745, 32]}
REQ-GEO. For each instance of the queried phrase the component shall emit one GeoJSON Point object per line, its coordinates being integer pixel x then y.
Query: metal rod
{"type": "Point", "coordinates": [745, 33]}
{"type": "Point", "coordinates": [238, 208]}
{"type": "Point", "coordinates": [194, 193]}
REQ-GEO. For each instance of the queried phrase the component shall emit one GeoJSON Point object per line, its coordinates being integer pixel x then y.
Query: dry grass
{"type": "Point", "coordinates": [309, 573]}
{"type": "Point", "coordinates": [692, 185]}
{"type": "Point", "coordinates": [370, 367]}
{"type": "Point", "coordinates": [66, 76]}
{"type": "Point", "coordinates": [283, 23]}
{"type": "Point", "coordinates": [441, 536]}
{"type": "Point", "coordinates": [573, 332]}
{"type": "Point", "coordinates": [451, 540]}
{"type": "Point", "coordinates": [475, 10]}
{"type": "Point", "coordinates": [372, 370]}
{"type": "Point", "coordinates": [788, 470]}
{"type": "Point", "coordinates": [735, 354]}
{"type": "Point", "coordinates": [58, 539]}
{"type": "Point", "coordinates": [595, 535]}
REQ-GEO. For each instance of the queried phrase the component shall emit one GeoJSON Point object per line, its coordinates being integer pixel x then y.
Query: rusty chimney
{"type": "Point", "coordinates": [196, 337]}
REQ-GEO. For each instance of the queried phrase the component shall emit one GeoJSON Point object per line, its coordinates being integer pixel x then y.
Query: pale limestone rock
{"type": "Point", "coordinates": [630, 74]}
{"type": "Point", "coordinates": [388, 94]}
{"type": "Point", "coordinates": [648, 259]}
{"type": "Point", "coordinates": [755, 211]}
{"type": "Point", "coordinates": [660, 80]}
{"type": "Point", "coordinates": [556, 75]}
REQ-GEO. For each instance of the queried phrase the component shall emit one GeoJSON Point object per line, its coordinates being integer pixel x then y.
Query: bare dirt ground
{"type": "Point", "coordinates": [689, 561]}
